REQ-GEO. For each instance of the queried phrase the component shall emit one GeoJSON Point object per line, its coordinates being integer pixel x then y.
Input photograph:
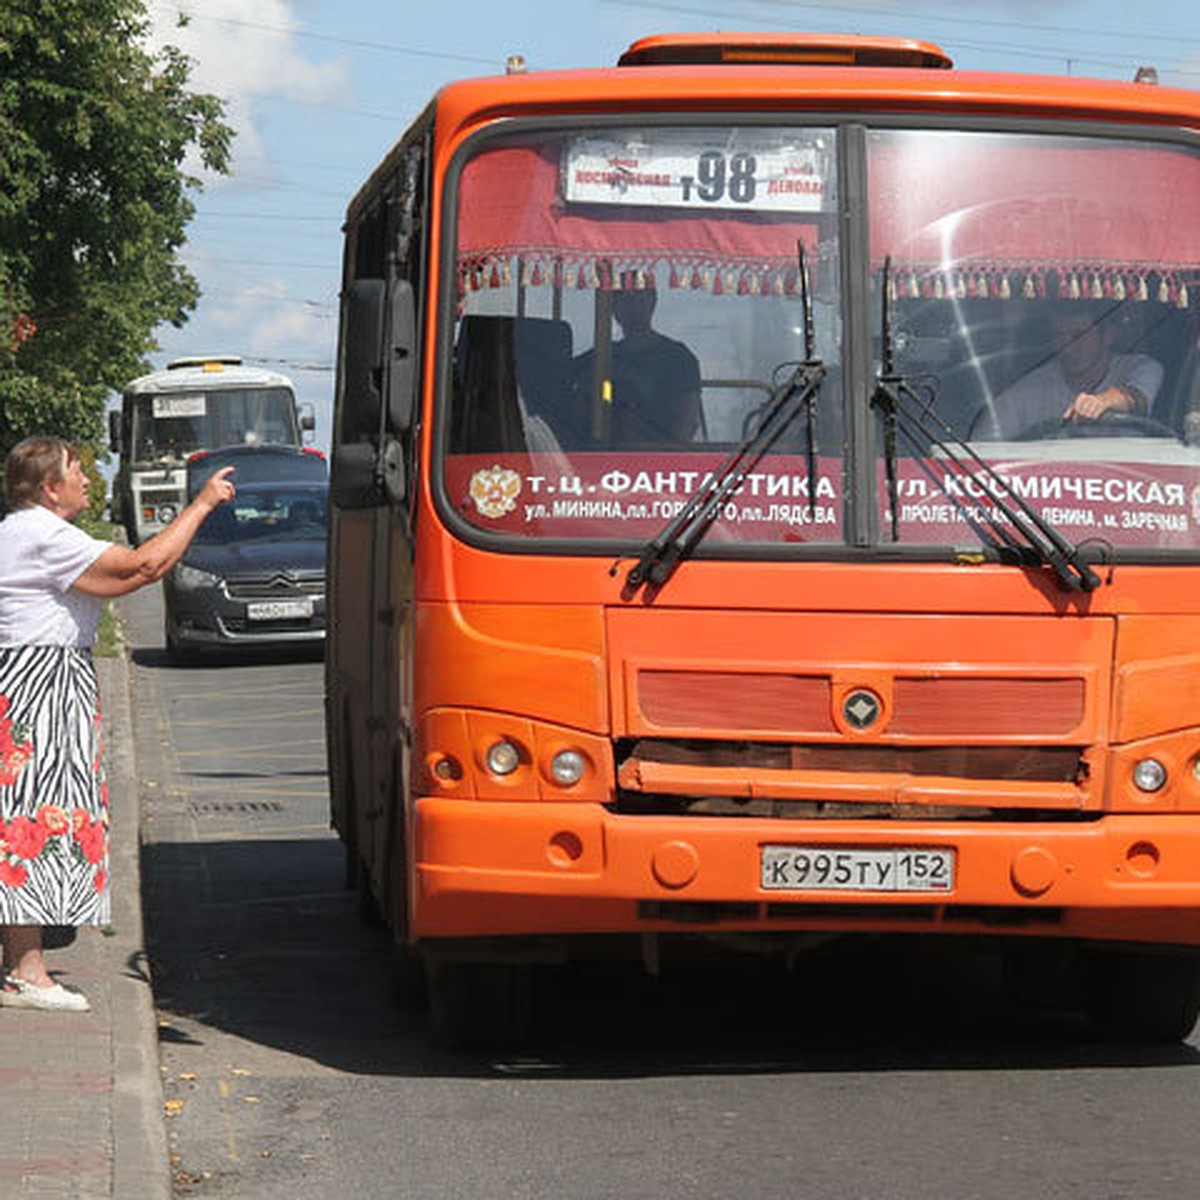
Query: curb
{"type": "Point", "coordinates": [141, 1167]}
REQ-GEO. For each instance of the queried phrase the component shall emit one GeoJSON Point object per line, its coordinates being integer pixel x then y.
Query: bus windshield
{"type": "Point", "coordinates": [628, 300]}
{"type": "Point", "coordinates": [1042, 293]}
{"type": "Point", "coordinates": [168, 426]}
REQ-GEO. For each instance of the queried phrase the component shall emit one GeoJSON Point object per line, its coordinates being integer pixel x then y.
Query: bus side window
{"type": "Point", "coordinates": [546, 379]}
{"type": "Point", "coordinates": [507, 372]}
{"type": "Point", "coordinates": [486, 417]}
{"type": "Point", "coordinates": [1171, 338]}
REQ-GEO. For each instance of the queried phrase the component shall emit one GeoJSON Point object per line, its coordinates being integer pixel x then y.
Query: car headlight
{"type": "Point", "coordinates": [192, 578]}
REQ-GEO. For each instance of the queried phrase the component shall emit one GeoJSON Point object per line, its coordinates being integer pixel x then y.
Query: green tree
{"type": "Point", "coordinates": [96, 133]}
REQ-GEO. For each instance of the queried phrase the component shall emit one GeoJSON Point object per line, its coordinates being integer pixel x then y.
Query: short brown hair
{"type": "Point", "coordinates": [31, 463]}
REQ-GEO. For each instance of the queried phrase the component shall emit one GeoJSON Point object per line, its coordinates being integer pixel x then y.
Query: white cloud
{"type": "Point", "coordinates": [265, 320]}
{"type": "Point", "coordinates": [250, 53]}
{"type": "Point", "coordinates": [244, 51]}
{"type": "Point", "coordinates": [265, 324]}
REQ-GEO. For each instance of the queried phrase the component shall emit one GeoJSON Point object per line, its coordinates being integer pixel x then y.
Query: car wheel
{"type": "Point", "coordinates": [178, 652]}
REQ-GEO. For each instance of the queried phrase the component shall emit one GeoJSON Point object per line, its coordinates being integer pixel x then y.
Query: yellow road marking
{"type": "Point", "coordinates": [230, 1137]}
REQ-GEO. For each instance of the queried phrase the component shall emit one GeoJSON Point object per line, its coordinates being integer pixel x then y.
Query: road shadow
{"type": "Point", "coordinates": [261, 940]}
{"type": "Point", "coordinates": [156, 658]}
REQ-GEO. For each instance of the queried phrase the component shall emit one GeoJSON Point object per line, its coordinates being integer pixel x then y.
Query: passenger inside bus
{"type": "Point", "coordinates": [1085, 379]}
{"type": "Point", "coordinates": [655, 379]}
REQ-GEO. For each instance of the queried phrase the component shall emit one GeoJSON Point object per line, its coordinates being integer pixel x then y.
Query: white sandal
{"type": "Point", "coordinates": [19, 993]}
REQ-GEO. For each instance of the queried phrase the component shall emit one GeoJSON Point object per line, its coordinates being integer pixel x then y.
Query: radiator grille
{"type": "Point", "coordinates": [803, 704]}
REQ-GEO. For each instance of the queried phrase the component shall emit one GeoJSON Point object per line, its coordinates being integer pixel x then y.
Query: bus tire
{"type": "Point", "coordinates": [406, 973]}
{"type": "Point", "coordinates": [370, 915]}
{"type": "Point", "coordinates": [480, 1005]}
{"type": "Point", "coordinates": [1140, 996]}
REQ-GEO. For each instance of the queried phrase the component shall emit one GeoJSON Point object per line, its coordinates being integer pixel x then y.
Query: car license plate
{"type": "Point", "coordinates": [279, 610]}
{"type": "Point", "coordinates": [857, 869]}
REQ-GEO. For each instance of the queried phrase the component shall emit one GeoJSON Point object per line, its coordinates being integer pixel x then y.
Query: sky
{"type": "Point", "coordinates": [319, 90]}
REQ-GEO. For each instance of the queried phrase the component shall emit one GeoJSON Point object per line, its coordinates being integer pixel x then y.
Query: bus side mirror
{"type": "Point", "coordinates": [308, 417]}
{"type": "Point", "coordinates": [402, 379]}
{"type": "Point", "coordinates": [362, 395]}
{"type": "Point", "coordinates": [355, 481]}
{"type": "Point", "coordinates": [114, 431]}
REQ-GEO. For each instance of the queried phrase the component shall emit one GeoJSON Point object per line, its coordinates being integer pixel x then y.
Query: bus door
{"type": "Point", "coordinates": [371, 631]}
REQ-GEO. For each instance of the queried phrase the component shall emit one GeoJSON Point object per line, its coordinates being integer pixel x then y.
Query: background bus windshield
{"type": "Point", "coordinates": [172, 425]}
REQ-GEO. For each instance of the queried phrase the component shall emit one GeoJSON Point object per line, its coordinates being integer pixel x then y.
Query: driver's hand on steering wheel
{"type": "Point", "coordinates": [1089, 406]}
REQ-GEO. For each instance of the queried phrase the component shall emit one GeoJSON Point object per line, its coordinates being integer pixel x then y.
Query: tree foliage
{"type": "Point", "coordinates": [96, 134]}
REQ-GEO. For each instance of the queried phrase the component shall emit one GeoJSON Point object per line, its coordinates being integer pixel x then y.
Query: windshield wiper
{"type": "Point", "coordinates": [662, 554]}
{"type": "Point", "coordinates": [904, 411]}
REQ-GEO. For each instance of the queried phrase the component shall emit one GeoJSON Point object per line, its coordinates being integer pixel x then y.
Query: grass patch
{"type": "Point", "coordinates": [108, 633]}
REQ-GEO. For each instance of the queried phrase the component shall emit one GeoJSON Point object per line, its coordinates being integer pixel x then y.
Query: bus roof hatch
{"type": "Point", "coordinates": [799, 49]}
{"type": "Point", "coordinates": [208, 362]}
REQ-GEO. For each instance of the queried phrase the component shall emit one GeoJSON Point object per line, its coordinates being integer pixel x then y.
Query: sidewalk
{"type": "Point", "coordinates": [81, 1100]}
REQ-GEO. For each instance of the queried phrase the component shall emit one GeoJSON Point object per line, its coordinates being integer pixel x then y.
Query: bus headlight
{"type": "Point", "coordinates": [1149, 775]}
{"type": "Point", "coordinates": [567, 767]}
{"type": "Point", "coordinates": [502, 758]}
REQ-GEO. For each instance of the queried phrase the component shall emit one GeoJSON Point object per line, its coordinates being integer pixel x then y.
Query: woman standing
{"type": "Point", "coordinates": [54, 824]}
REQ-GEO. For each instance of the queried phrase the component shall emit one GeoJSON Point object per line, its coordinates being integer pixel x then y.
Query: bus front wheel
{"type": "Point", "coordinates": [1140, 996]}
{"type": "Point", "coordinates": [480, 1005]}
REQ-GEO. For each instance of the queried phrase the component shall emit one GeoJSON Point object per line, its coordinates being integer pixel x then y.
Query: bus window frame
{"type": "Point", "coordinates": [374, 453]}
{"type": "Point", "coordinates": [864, 538]}
{"type": "Point", "coordinates": [448, 249]}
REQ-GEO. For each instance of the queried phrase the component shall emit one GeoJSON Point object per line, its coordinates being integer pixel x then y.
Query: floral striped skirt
{"type": "Point", "coordinates": [53, 794]}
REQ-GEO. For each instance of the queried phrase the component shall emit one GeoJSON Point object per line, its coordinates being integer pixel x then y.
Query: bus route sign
{"type": "Point", "coordinates": [747, 169]}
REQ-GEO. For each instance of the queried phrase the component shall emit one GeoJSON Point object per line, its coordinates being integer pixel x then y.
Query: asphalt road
{"type": "Point", "coordinates": [291, 1072]}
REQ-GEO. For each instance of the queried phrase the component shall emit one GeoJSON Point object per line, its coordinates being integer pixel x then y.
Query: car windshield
{"type": "Point", "coordinates": [267, 513]}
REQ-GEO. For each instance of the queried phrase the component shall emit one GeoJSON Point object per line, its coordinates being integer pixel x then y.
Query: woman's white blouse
{"type": "Point", "coordinates": [41, 556]}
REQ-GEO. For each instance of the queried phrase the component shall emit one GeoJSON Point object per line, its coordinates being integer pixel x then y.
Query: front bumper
{"type": "Point", "coordinates": [211, 616]}
{"type": "Point", "coordinates": [488, 868]}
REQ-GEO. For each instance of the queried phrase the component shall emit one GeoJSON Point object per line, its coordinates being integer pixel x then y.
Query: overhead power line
{"type": "Point", "coordinates": [210, 214]}
{"type": "Point", "coordinates": [1039, 52]}
{"type": "Point", "coordinates": [975, 22]}
{"type": "Point", "coordinates": [294, 364]}
{"type": "Point", "coordinates": [191, 14]}
{"type": "Point", "coordinates": [909, 14]}
{"type": "Point", "coordinates": [221, 260]}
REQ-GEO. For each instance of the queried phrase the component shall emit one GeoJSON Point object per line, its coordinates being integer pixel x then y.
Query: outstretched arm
{"type": "Point", "coordinates": [121, 570]}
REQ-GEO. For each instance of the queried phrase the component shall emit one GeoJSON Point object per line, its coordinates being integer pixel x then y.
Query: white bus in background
{"type": "Point", "coordinates": [195, 404]}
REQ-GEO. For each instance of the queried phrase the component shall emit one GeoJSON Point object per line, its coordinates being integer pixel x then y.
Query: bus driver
{"type": "Point", "coordinates": [1084, 380]}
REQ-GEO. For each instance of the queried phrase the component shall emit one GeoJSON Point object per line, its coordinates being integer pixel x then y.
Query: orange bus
{"type": "Point", "coordinates": [767, 504]}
